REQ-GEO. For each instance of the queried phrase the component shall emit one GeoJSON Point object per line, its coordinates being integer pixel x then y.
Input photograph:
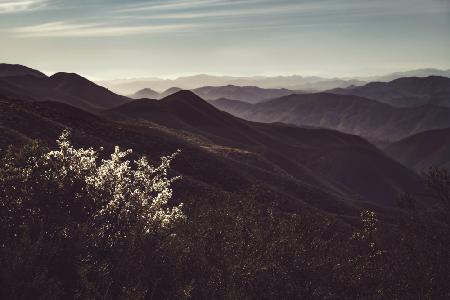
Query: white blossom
{"type": "Point", "coordinates": [128, 193]}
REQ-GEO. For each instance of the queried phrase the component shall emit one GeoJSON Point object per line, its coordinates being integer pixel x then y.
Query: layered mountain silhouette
{"type": "Point", "coordinates": [324, 158]}
{"type": "Point", "coordinates": [250, 94]}
{"type": "Point", "coordinates": [67, 88]}
{"type": "Point", "coordinates": [170, 91]}
{"type": "Point", "coordinates": [294, 82]}
{"type": "Point", "coordinates": [405, 92]}
{"type": "Point", "coordinates": [346, 113]}
{"type": "Point", "coordinates": [413, 73]}
{"type": "Point", "coordinates": [423, 150]}
{"type": "Point", "coordinates": [148, 93]}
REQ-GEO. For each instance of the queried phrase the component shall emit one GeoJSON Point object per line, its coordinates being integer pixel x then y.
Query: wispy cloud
{"type": "Point", "coordinates": [8, 6]}
{"type": "Point", "coordinates": [308, 8]}
{"type": "Point", "coordinates": [237, 12]}
{"type": "Point", "coordinates": [173, 5]}
{"type": "Point", "coordinates": [152, 17]}
{"type": "Point", "coordinates": [63, 29]}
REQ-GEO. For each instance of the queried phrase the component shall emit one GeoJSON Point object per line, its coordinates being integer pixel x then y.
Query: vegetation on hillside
{"type": "Point", "coordinates": [73, 225]}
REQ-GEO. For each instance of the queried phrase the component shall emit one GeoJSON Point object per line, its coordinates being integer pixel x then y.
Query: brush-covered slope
{"type": "Point", "coordinates": [330, 159]}
{"type": "Point", "coordinates": [423, 150]}
{"type": "Point", "coordinates": [346, 113]}
{"type": "Point", "coordinates": [67, 88]}
{"type": "Point", "coordinates": [405, 92]}
{"type": "Point", "coordinates": [210, 171]}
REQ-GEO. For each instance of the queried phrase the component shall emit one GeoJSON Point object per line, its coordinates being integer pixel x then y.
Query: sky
{"type": "Point", "coordinates": [107, 39]}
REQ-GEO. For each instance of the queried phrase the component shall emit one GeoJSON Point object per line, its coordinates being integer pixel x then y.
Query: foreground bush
{"type": "Point", "coordinates": [72, 224]}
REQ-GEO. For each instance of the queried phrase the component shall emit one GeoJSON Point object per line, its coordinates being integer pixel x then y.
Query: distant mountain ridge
{"type": "Point", "coordinates": [405, 92]}
{"type": "Point", "coordinates": [413, 73]}
{"type": "Point", "coordinates": [145, 93]}
{"type": "Point", "coordinates": [293, 82]}
{"type": "Point", "coordinates": [346, 113]}
{"type": "Point", "coordinates": [250, 94]}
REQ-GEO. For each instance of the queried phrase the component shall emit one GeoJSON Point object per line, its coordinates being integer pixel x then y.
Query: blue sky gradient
{"type": "Point", "coordinates": [116, 39]}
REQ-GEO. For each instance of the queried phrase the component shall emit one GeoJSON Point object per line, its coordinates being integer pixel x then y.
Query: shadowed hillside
{"type": "Point", "coordinates": [351, 114]}
{"type": "Point", "coordinates": [423, 150]}
{"type": "Point", "coordinates": [206, 167]}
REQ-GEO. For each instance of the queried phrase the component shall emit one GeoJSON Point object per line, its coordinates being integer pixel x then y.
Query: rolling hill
{"type": "Point", "coordinates": [67, 88]}
{"type": "Point", "coordinates": [423, 150]}
{"type": "Point", "coordinates": [8, 70]}
{"type": "Point", "coordinates": [350, 114]}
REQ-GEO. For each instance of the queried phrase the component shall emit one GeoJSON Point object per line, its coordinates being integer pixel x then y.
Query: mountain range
{"type": "Point", "coordinates": [293, 82]}
{"type": "Point", "coordinates": [250, 94]}
{"type": "Point", "coordinates": [352, 114]}
{"type": "Point", "coordinates": [295, 168]}
{"type": "Point", "coordinates": [412, 73]}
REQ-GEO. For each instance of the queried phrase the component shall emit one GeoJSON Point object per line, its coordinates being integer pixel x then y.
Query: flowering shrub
{"type": "Point", "coordinates": [127, 193]}
{"type": "Point", "coordinates": [130, 193]}
{"type": "Point", "coordinates": [69, 210]}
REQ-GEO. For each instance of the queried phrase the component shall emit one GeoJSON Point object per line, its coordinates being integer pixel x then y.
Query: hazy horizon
{"type": "Point", "coordinates": [112, 39]}
{"type": "Point", "coordinates": [188, 75]}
